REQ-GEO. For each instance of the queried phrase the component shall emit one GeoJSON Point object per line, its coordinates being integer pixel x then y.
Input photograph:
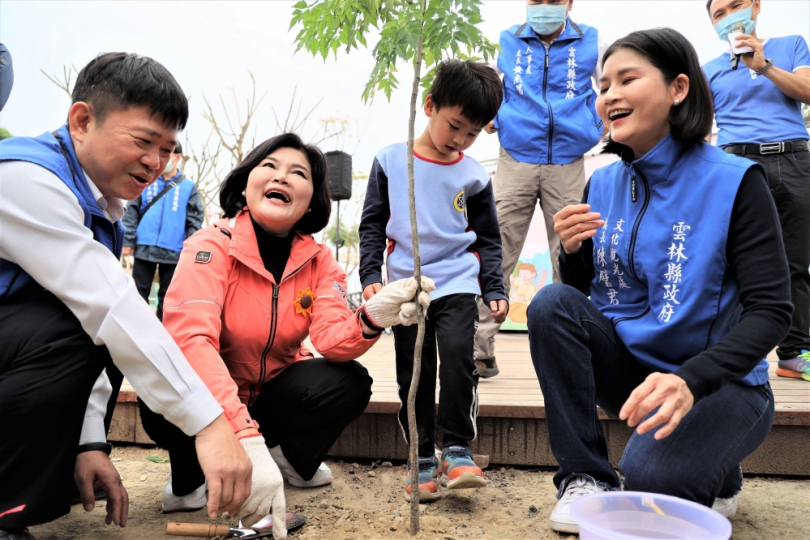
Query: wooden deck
{"type": "Point", "coordinates": [511, 420]}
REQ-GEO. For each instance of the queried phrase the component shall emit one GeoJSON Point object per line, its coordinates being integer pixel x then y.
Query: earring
{"type": "Point", "coordinates": [309, 210]}
{"type": "Point", "coordinates": [677, 102]}
{"type": "Point", "coordinates": [243, 193]}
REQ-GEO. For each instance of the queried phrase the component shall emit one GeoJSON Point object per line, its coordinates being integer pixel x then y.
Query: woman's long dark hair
{"type": "Point", "coordinates": [673, 54]}
{"type": "Point", "coordinates": [232, 201]}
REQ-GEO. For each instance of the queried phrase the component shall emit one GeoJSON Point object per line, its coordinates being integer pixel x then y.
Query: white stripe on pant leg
{"type": "Point", "coordinates": [401, 404]}
{"type": "Point", "coordinates": [474, 412]}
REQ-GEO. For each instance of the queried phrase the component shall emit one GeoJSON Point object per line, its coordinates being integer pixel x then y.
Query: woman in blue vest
{"type": "Point", "coordinates": [679, 248]}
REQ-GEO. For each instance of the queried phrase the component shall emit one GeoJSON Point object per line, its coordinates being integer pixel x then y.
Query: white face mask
{"type": "Point", "coordinates": [546, 19]}
{"type": "Point", "coordinates": [169, 166]}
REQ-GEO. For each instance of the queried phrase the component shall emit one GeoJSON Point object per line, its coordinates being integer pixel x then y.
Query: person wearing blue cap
{"type": "Point", "coordinates": [546, 123]}
{"type": "Point", "coordinates": [758, 111]}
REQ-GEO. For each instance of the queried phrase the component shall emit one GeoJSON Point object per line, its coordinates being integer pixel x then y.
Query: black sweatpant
{"type": "Point", "coordinates": [789, 179]}
{"type": "Point", "coordinates": [48, 366]}
{"type": "Point", "coordinates": [304, 409]}
{"type": "Point", "coordinates": [143, 273]}
{"type": "Point", "coordinates": [451, 321]}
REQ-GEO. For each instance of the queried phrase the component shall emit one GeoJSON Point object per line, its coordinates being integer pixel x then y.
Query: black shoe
{"type": "Point", "coordinates": [16, 534]}
{"type": "Point", "coordinates": [76, 497]}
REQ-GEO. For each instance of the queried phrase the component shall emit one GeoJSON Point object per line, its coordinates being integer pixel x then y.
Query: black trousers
{"type": "Point", "coordinates": [304, 409]}
{"type": "Point", "coordinates": [451, 322]}
{"type": "Point", "coordinates": [143, 272]}
{"type": "Point", "coordinates": [789, 179]}
{"type": "Point", "coordinates": [48, 365]}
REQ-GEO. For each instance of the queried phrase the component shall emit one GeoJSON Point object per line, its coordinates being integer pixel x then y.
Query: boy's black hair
{"type": "Point", "coordinates": [473, 86]}
{"type": "Point", "coordinates": [115, 81]}
{"type": "Point", "coordinates": [672, 54]}
{"type": "Point", "coordinates": [178, 149]}
{"type": "Point", "coordinates": [232, 201]}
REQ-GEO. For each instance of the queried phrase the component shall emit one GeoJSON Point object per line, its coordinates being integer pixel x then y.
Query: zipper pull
{"type": "Point", "coordinates": [275, 291]}
{"type": "Point", "coordinates": [546, 59]}
{"type": "Point", "coordinates": [633, 194]}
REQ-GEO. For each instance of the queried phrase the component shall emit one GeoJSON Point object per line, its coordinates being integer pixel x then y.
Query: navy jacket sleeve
{"type": "Point", "coordinates": [131, 219]}
{"type": "Point", "coordinates": [194, 212]}
{"type": "Point", "coordinates": [577, 269]}
{"type": "Point", "coordinates": [483, 219]}
{"type": "Point", "coordinates": [376, 212]}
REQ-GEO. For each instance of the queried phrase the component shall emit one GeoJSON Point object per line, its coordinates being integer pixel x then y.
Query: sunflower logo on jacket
{"type": "Point", "coordinates": [304, 302]}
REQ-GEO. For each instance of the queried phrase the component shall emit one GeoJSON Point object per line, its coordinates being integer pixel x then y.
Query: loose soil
{"type": "Point", "coordinates": [366, 501]}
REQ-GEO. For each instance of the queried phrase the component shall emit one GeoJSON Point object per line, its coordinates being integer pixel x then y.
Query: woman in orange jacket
{"type": "Point", "coordinates": [246, 293]}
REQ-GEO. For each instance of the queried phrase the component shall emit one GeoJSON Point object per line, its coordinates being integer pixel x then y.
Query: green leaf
{"type": "Point", "coordinates": [157, 459]}
{"type": "Point", "coordinates": [300, 5]}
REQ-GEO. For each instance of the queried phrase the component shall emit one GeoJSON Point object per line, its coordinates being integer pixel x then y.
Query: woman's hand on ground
{"type": "Point", "coordinates": [371, 290]}
{"type": "Point", "coordinates": [574, 224]}
{"type": "Point", "coordinates": [666, 391]}
{"type": "Point", "coordinates": [499, 309]}
{"type": "Point", "coordinates": [95, 467]}
{"type": "Point", "coordinates": [267, 488]}
{"type": "Point", "coordinates": [226, 466]}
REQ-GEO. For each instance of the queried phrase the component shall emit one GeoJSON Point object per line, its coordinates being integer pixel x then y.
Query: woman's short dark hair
{"type": "Point", "coordinates": [673, 54]}
{"type": "Point", "coordinates": [114, 81]}
{"type": "Point", "coordinates": [232, 201]}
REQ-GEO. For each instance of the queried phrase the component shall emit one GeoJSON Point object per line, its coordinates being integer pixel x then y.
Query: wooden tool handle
{"type": "Point", "coordinates": [200, 530]}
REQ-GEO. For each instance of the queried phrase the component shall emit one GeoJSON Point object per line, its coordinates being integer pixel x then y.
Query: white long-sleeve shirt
{"type": "Point", "coordinates": [42, 230]}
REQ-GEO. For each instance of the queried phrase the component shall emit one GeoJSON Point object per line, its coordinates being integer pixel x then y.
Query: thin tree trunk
{"type": "Point", "coordinates": [420, 333]}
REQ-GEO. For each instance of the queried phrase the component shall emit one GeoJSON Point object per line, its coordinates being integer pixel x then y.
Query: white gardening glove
{"type": "Point", "coordinates": [267, 488]}
{"type": "Point", "coordinates": [394, 304]}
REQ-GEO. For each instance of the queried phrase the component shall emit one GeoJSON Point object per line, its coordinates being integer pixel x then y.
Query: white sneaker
{"type": "Point", "coordinates": [322, 476]}
{"type": "Point", "coordinates": [726, 507]}
{"type": "Point", "coordinates": [187, 503]}
{"type": "Point", "coordinates": [579, 486]}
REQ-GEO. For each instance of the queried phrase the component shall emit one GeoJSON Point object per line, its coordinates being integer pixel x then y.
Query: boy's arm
{"type": "Point", "coordinates": [483, 219]}
{"type": "Point", "coordinates": [376, 212]}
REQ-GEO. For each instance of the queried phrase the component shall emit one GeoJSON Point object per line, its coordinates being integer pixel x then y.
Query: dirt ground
{"type": "Point", "coordinates": [366, 501]}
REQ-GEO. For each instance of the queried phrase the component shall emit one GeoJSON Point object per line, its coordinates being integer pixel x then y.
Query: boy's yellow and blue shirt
{"type": "Point", "coordinates": [459, 236]}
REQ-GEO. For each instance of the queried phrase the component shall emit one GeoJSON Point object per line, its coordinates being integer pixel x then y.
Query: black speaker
{"type": "Point", "coordinates": [339, 165]}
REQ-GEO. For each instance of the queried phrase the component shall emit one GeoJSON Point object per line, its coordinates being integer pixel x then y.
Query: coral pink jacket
{"type": "Point", "coordinates": [238, 328]}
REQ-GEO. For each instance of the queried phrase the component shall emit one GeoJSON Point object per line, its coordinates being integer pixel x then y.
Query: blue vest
{"type": "Point", "coordinates": [660, 260]}
{"type": "Point", "coordinates": [548, 114]}
{"type": "Point", "coordinates": [61, 160]}
{"type": "Point", "coordinates": [164, 225]}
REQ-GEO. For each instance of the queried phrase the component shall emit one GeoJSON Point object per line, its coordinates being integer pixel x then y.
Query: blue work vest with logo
{"type": "Point", "coordinates": [660, 260]}
{"type": "Point", "coordinates": [164, 225]}
{"type": "Point", "coordinates": [548, 114]}
{"type": "Point", "coordinates": [47, 152]}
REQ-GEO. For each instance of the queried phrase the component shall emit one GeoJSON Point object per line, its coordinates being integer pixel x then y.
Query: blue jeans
{"type": "Point", "coordinates": [581, 363]}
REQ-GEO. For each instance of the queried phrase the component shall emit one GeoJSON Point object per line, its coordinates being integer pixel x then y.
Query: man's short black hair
{"type": "Point", "coordinates": [709, 7]}
{"type": "Point", "coordinates": [232, 201]}
{"type": "Point", "coordinates": [473, 86]}
{"type": "Point", "coordinates": [673, 54]}
{"type": "Point", "coordinates": [178, 149]}
{"type": "Point", "coordinates": [115, 81]}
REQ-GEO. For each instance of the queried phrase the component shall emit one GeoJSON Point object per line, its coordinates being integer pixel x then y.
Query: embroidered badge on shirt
{"type": "Point", "coordinates": [203, 257]}
{"type": "Point", "coordinates": [339, 288]}
{"type": "Point", "coordinates": [304, 302]}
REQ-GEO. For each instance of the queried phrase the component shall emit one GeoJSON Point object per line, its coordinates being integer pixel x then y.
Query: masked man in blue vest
{"type": "Point", "coordinates": [758, 97]}
{"type": "Point", "coordinates": [546, 123]}
{"type": "Point", "coordinates": [157, 224]}
{"type": "Point", "coordinates": [67, 309]}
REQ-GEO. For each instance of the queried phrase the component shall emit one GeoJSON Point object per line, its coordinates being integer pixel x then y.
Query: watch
{"type": "Point", "coordinates": [768, 65]}
{"type": "Point", "coordinates": [103, 446]}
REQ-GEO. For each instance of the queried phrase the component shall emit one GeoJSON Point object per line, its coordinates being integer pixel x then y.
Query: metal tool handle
{"type": "Point", "coordinates": [199, 530]}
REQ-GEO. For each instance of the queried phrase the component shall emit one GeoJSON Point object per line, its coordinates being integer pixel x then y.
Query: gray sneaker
{"type": "Point", "coordinates": [726, 507]}
{"type": "Point", "coordinates": [486, 367]}
{"type": "Point", "coordinates": [578, 486]}
{"type": "Point", "coordinates": [187, 503]}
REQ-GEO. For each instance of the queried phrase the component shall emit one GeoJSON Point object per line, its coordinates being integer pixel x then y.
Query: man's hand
{"type": "Point", "coordinates": [127, 251]}
{"type": "Point", "coordinates": [752, 60]}
{"type": "Point", "coordinates": [574, 224]}
{"type": "Point", "coordinates": [267, 489]}
{"type": "Point", "coordinates": [371, 290]}
{"type": "Point", "coordinates": [226, 466]}
{"type": "Point", "coordinates": [499, 309]}
{"type": "Point", "coordinates": [659, 389]}
{"type": "Point", "coordinates": [95, 467]}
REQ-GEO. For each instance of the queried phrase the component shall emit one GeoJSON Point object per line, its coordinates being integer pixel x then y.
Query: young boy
{"type": "Point", "coordinates": [460, 246]}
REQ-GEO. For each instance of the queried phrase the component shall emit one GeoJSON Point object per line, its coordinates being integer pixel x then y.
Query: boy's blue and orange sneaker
{"type": "Point", "coordinates": [795, 368]}
{"type": "Point", "coordinates": [428, 479]}
{"type": "Point", "coordinates": [460, 470]}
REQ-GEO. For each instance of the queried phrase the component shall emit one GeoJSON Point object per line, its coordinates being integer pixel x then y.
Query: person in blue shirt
{"type": "Point", "coordinates": [546, 123]}
{"type": "Point", "coordinates": [460, 248]}
{"type": "Point", "coordinates": [679, 249]}
{"type": "Point", "coordinates": [6, 75]}
{"type": "Point", "coordinates": [157, 228]}
{"type": "Point", "coordinates": [758, 110]}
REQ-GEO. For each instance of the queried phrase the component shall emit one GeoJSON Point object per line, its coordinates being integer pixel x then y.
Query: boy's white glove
{"type": "Point", "coordinates": [395, 304]}
{"type": "Point", "coordinates": [267, 488]}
